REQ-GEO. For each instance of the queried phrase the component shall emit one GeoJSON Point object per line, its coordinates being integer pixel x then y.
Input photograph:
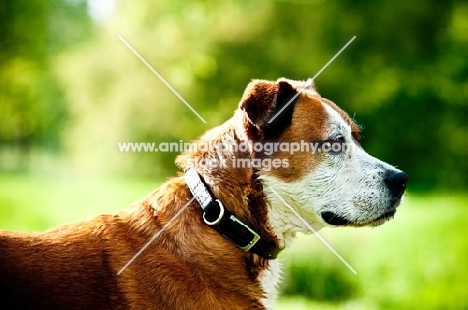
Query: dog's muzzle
{"type": "Point", "coordinates": [396, 181]}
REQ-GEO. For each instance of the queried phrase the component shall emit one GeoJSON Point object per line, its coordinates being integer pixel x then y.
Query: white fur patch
{"type": "Point", "coordinates": [269, 279]}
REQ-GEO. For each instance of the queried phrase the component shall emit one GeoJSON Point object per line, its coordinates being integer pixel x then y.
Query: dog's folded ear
{"type": "Point", "coordinates": [262, 100]}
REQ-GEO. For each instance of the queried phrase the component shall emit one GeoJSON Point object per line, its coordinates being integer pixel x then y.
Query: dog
{"type": "Point", "coordinates": [209, 238]}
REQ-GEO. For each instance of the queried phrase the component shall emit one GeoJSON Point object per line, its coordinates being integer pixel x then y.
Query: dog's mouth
{"type": "Point", "coordinates": [334, 219]}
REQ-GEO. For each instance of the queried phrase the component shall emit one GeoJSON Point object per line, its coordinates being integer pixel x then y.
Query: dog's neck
{"type": "Point", "coordinates": [285, 222]}
{"type": "Point", "coordinates": [242, 189]}
{"type": "Point", "coordinates": [236, 186]}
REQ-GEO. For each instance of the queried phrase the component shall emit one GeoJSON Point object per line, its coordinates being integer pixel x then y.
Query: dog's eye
{"type": "Point", "coordinates": [335, 145]}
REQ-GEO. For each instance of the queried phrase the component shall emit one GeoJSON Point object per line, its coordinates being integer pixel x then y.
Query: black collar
{"type": "Point", "coordinates": [216, 215]}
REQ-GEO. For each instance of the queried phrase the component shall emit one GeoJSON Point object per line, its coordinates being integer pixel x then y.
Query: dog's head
{"type": "Point", "coordinates": [333, 181]}
{"type": "Point", "coordinates": [306, 152]}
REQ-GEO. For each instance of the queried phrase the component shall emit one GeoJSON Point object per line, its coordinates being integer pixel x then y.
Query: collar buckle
{"type": "Point", "coordinates": [255, 238]}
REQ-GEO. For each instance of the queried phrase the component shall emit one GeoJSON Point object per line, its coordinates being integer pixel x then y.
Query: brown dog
{"type": "Point", "coordinates": [215, 232]}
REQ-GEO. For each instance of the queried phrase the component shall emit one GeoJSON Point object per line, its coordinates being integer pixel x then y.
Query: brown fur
{"type": "Point", "coordinates": [309, 119]}
{"type": "Point", "coordinates": [189, 265]}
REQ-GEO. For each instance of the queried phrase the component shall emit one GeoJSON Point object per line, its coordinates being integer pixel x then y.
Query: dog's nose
{"type": "Point", "coordinates": [396, 181]}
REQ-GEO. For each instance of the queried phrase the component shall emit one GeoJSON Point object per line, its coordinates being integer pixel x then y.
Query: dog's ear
{"type": "Point", "coordinates": [262, 100]}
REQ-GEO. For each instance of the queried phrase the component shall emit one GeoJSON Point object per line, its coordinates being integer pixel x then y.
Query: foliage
{"type": "Point", "coordinates": [317, 278]}
{"type": "Point", "coordinates": [33, 108]}
{"type": "Point", "coordinates": [73, 85]}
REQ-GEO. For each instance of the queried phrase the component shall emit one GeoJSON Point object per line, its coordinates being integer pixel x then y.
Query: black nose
{"type": "Point", "coordinates": [396, 181]}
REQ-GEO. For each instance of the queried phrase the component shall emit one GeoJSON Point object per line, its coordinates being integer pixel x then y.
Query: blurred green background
{"type": "Point", "coordinates": [70, 90]}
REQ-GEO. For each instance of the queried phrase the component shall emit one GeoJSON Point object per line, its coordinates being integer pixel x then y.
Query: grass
{"type": "Point", "coordinates": [419, 260]}
{"type": "Point", "coordinates": [416, 261]}
{"type": "Point", "coordinates": [38, 203]}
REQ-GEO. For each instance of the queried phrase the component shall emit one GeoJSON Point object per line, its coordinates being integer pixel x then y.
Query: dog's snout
{"type": "Point", "coordinates": [396, 181]}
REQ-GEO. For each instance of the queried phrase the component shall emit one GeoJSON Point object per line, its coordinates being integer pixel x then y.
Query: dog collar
{"type": "Point", "coordinates": [217, 216]}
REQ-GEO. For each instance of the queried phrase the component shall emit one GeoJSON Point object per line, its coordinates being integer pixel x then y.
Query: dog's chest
{"type": "Point", "coordinates": [269, 279]}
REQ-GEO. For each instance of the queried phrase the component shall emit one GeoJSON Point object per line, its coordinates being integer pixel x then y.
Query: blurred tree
{"type": "Point", "coordinates": [405, 77]}
{"type": "Point", "coordinates": [32, 104]}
